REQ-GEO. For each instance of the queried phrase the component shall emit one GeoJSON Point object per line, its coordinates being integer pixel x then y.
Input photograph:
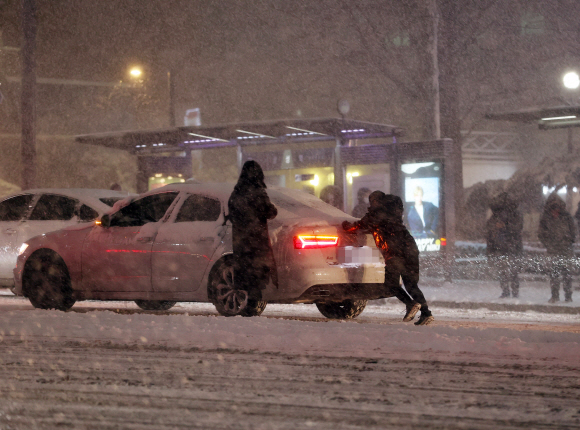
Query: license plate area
{"type": "Point", "coordinates": [357, 255]}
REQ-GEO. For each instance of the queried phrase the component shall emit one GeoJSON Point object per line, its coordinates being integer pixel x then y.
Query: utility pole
{"type": "Point", "coordinates": [28, 145]}
{"type": "Point", "coordinates": [171, 88]}
{"type": "Point", "coordinates": [434, 12]}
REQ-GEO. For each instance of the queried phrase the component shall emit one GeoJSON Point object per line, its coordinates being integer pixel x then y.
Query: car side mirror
{"type": "Point", "coordinates": [105, 221]}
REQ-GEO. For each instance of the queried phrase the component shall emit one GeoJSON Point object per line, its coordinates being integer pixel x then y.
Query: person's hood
{"type": "Point", "coordinates": [502, 202]}
{"type": "Point", "coordinates": [554, 201]}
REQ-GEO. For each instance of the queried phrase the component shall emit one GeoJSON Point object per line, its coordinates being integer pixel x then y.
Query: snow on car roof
{"type": "Point", "coordinates": [289, 202]}
{"type": "Point", "coordinates": [89, 196]}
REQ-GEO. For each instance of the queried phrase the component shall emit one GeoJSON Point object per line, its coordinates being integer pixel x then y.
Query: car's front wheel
{"type": "Point", "coordinates": [346, 309]}
{"type": "Point", "coordinates": [46, 281]}
{"type": "Point", "coordinates": [229, 300]}
{"type": "Point", "coordinates": [155, 305]}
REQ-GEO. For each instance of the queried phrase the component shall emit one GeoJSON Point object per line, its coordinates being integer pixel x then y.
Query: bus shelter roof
{"type": "Point", "coordinates": [243, 133]}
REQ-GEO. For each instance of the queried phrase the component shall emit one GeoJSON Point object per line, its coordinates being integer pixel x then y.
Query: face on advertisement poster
{"type": "Point", "coordinates": [422, 201]}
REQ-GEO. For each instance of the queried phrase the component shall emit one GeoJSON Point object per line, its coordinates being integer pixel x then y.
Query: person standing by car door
{"type": "Point", "coordinates": [249, 210]}
{"type": "Point", "coordinates": [385, 220]}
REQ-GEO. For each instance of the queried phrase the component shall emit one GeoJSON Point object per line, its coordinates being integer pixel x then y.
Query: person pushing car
{"type": "Point", "coordinates": [385, 221]}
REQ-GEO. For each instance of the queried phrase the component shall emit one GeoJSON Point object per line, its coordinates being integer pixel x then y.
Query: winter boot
{"type": "Point", "coordinates": [412, 311]}
{"type": "Point", "coordinates": [425, 319]}
{"type": "Point", "coordinates": [554, 299]}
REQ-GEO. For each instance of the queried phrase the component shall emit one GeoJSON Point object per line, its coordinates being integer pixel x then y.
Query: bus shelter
{"type": "Point", "coordinates": [313, 154]}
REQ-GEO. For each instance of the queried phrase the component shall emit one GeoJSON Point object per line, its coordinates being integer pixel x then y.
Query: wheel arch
{"type": "Point", "coordinates": [40, 253]}
{"type": "Point", "coordinates": [213, 271]}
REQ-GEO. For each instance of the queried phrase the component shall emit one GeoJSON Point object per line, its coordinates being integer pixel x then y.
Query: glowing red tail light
{"type": "Point", "coordinates": [443, 241]}
{"type": "Point", "coordinates": [311, 242]}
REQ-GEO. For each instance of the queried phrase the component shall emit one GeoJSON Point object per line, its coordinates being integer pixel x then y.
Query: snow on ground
{"type": "Point", "coordinates": [110, 365]}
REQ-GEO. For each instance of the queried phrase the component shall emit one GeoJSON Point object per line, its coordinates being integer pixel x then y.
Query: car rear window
{"type": "Point", "coordinates": [301, 204]}
{"type": "Point", "coordinates": [110, 201]}
{"type": "Point", "coordinates": [199, 208]}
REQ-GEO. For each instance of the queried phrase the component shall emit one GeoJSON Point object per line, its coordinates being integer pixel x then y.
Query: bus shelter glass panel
{"type": "Point", "coordinates": [309, 179]}
{"type": "Point", "coordinates": [422, 191]}
{"type": "Point", "coordinates": [360, 181]}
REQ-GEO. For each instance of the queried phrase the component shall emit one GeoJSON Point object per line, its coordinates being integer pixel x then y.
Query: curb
{"type": "Point", "coordinates": [546, 309]}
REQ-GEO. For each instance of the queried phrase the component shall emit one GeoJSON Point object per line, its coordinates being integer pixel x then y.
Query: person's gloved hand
{"type": "Point", "coordinates": [346, 225]}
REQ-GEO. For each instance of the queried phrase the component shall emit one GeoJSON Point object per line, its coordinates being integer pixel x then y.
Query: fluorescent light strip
{"type": "Point", "coordinates": [307, 131]}
{"type": "Point", "coordinates": [559, 117]}
{"type": "Point", "coordinates": [208, 137]}
{"type": "Point", "coordinates": [256, 135]}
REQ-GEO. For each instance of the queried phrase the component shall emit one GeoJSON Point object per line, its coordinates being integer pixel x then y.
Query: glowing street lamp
{"type": "Point", "coordinates": [571, 80]}
{"type": "Point", "coordinates": [135, 72]}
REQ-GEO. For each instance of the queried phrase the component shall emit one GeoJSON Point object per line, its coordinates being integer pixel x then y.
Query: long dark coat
{"type": "Point", "coordinates": [557, 231]}
{"type": "Point", "coordinates": [249, 210]}
{"type": "Point", "coordinates": [504, 227]}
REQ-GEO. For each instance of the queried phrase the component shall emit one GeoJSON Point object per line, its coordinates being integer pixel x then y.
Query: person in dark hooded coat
{"type": "Point", "coordinates": [384, 220]}
{"type": "Point", "coordinates": [504, 242]}
{"type": "Point", "coordinates": [249, 210]}
{"type": "Point", "coordinates": [362, 202]}
{"type": "Point", "coordinates": [557, 233]}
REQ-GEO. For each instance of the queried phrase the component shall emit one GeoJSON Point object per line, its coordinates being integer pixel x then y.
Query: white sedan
{"type": "Point", "coordinates": [174, 244]}
{"type": "Point", "coordinates": [33, 212]}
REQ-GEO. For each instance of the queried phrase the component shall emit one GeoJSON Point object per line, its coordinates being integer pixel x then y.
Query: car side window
{"type": "Point", "coordinates": [51, 207]}
{"type": "Point", "coordinates": [140, 212]}
{"type": "Point", "coordinates": [87, 214]}
{"type": "Point", "coordinates": [15, 208]}
{"type": "Point", "coordinates": [199, 208]}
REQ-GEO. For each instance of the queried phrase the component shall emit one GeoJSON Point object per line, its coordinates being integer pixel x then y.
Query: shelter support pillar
{"type": "Point", "coordinates": [449, 192]}
{"type": "Point", "coordinates": [339, 171]}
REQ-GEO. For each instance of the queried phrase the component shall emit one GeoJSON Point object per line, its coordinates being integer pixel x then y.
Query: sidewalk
{"type": "Point", "coordinates": [473, 294]}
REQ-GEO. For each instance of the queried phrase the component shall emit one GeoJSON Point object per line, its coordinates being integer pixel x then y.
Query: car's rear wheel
{"type": "Point", "coordinates": [346, 309]}
{"type": "Point", "coordinates": [229, 300]}
{"type": "Point", "coordinates": [46, 281]}
{"type": "Point", "coordinates": [155, 305]}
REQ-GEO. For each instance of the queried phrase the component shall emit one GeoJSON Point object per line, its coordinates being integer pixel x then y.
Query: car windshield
{"type": "Point", "coordinates": [110, 201]}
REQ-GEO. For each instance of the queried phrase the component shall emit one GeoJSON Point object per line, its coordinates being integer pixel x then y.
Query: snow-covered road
{"type": "Point", "coordinates": [292, 369]}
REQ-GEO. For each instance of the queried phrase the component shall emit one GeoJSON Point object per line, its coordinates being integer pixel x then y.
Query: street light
{"type": "Point", "coordinates": [571, 80]}
{"type": "Point", "coordinates": [136, 72]}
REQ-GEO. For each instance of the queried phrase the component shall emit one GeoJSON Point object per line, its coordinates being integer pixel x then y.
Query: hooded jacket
{"type": "Point", "coordinates": [504, 227]}
{"type": "Point", "coordinates": [391, 236]}
{"type": "Point", "coordinates": [249, 211]}
{"type": "Point", "coordinates": [557, 231]}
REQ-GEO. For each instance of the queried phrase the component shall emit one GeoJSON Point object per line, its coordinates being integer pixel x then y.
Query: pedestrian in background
{"type": "Point", "coordinates": [504, 243]}
{"type": "Point", "coordinates": [384, 220]}
{"type": "Point", "coordinates": [362, 202]}
{"type": "Point", "coordinates": [557, 233]}
{"type": "Point", "coordinates": [249, 211]}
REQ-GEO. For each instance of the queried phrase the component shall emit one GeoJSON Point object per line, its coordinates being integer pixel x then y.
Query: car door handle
{"type": "Point", "coordinates": [145, 239]}
{"type": "Point", "coordinates": [10, 231]}
{"type": "Point", "coordinates": [206, 239]}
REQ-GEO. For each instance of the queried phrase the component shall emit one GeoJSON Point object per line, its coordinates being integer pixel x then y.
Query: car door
{"type": "Point", "coordinates": [117, 258]}
{"type": "Point", "coordinates": [12, 213]}
{"type": "Point", "coordinates": [186, 243]}
{"type": "Point", "coordinates": [51, 212]}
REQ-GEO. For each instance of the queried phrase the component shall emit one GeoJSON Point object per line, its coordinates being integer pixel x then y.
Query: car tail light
{"type": "Point", "coordinates": [443, 241]}
{"type": "Point", "coordinates": [311, 242]}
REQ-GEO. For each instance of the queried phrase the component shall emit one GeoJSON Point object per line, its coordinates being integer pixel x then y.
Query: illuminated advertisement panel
{"type": "Point", "coordinates": [422, 198]}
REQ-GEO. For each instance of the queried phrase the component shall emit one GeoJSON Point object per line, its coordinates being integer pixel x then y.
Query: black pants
{"type": "Point", "coordinates": [560, 267]}
{"type": "Point", "coordinates": [395, 270]}
{"type": "Point", "coordinates": [507, 272]}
